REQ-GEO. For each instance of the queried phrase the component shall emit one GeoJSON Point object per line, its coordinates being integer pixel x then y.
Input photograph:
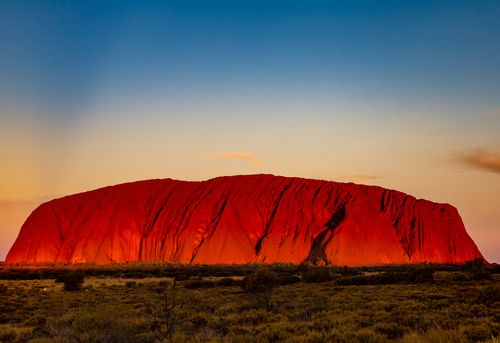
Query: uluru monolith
{"type": "Point", "coordinates": [242, 219]}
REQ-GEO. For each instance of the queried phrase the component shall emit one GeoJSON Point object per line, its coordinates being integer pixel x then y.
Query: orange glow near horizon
{"type": "Point", "coordinates": [324, 90]}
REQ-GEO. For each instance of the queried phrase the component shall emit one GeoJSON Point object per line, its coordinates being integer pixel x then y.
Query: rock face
{"type": "Point", "coordinates": [243, 219]}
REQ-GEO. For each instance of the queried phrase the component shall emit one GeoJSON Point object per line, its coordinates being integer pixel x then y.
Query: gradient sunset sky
{"type": "Point", "coordinates": [400, 94]}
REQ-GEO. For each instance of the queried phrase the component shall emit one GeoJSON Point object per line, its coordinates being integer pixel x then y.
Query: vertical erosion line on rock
{"type": "Point", "coordinates": [217, 210]}
{"type": "Point", "coordinates": [222, 249]}
{"type": "Point", "coordinates": [61, 236]}
{"type": "Point", "coordinates": [406, 235]}
{"type": "Point", "coordinates": [163, 197]}
{"type": "Point", "coordinates": [323, 186]}
{"type": "Point", "coordinates": [319, 245]}
{"type": "Point", "coordinates": [147, 226]}
{"type": "Point", "coordinates": [230, 193]}
{"type": "Point", "coordinates": [292, 195]}
{"type": "Point", "coordinates": [275, 204]}
{"type": "Point", "coordinates": [313, 200]}
{"type": "Point", "coordinates": [89, 213]}
{"type": "Point", "coordinates": [213, 222]}
{"type": "Point", "coordinates": [264, 189]}
{"type": "Point", "coordinates": [328, 200]}
{"type": "Point", "coordinates": [300, 215]}
{"type": "Point", "coordinates": [384, 202]}
{"type": "Point", "coordinates": [192, 203]}
{"type": "Point", "coordinates": [175, 196]}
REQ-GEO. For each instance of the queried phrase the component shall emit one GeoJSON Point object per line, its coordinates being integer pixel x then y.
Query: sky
{"type": "Point", "coordinates": [399, 94]}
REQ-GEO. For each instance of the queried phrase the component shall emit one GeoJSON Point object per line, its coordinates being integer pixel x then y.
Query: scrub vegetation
{"type": "Point", "coordinates": [165, 302]}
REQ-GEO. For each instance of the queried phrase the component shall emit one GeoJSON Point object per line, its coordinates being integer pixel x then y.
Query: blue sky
{"type": "Point", "coordinates": [402, 94]}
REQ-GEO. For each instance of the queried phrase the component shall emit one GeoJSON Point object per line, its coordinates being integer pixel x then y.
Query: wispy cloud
{"type": "Point", "coordinates": [258, 163]}
{"type": "Point", "coordinates": [241, 155]}
{"type": "Point", "coordinates": [310, 130]}
{"type": "Point", "coordinates": [481, 157]}
{"type": "Point", "coordinates": [492, 112]}
{"type": "Point", "coordinates": [362, 178]}
{"type": "Point", "coordinates": [255, 162]}
{"type": "Point", "coordinates": [413, 114]}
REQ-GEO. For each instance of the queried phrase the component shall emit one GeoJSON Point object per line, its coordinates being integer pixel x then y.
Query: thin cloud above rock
{"type": "Point", "coordinates": [240, 155]}
{"type": "Point", "coordinates": [243, 155]}
{"type": "Point", "coordinates": [362, 178]}
{"type": "Point", "coordinates": [492, 112]}
{"type": "Point", "coordinates": [255, 161]}
{"type": "Point", "coordinates": [310, 130]}
{"type": "Point", "coordinates": [481, 157]}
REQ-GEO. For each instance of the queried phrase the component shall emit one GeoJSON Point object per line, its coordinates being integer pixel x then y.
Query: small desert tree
{"type": "Point", "coordinates": [304, 269]}
{"type": "Point", "coordinates": [163, 318]}
{"type": "Point", "coordinates": [261, 285]}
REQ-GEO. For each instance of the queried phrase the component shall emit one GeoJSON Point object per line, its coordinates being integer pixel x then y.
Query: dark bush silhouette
{"type": "Point", "coordinates": [391, 329]}
{"type": "Point", "coordinates": [481, 274]}
{"type": "Point", "coordinates": [420, 274]}
{"type": "Point", "coordinates": [346, 271]}
{"type": "Point", "coordinates": [225, 282]}
{"type": "Point", "coordinates": [478, 263]}
{"type": "Point", "coordinates": [261, 285]}
{"type": "Point", "coordinates": [386, 278]}
{"type": "Point", "coordinates": [194, 284]}
{"type": "Point", "coordinates": [3, 289]}
{"type": "Point", "coordinates": [238, 283]}
{"type": "Point", "coordinates": [130, 284]}
{"type": "Point", "coordinates": [489, 295]}
{"type": "Point", "coordinates": [221, 274]}
{"type": "Point", "coordinates": [73, 281]}
{"type": "Point", "coordinates": [285, 279]}
{"type": "Point", "coordinates": [316, 277]}
{"type": "Point", "coordinates": [304, 269]}
{"type": "Point", "coordinates": [182, 277]}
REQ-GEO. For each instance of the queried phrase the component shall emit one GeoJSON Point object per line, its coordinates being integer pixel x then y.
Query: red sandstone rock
{"type": "Point", "coordinates": [243, 219]}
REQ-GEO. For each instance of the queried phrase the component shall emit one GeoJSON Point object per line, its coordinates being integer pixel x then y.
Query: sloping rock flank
{"type": "Point", "coordinates": [243, 219]}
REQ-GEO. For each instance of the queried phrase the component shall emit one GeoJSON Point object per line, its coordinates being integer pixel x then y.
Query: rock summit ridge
{"type": "Point", "coordinates": [242, 219]}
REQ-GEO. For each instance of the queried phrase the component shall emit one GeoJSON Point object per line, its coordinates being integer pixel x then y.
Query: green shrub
{"type": "Point", "coordinates": [317, 277]}
{"type": "Point", "coordinates": [275, 332]}
{"type": "Point", "coordinates": [73, 281]}
{"type": "Point", "coordinates": [481, 274]}
{"type": "Point", "coordinates": [391, 329]}
{"type": "Point", "coordinates": [303, 269]}
{"type": "Point", "coordinates": [489, 295]}
{"type": "Point", "coordinates": [208, 284]}
{"type": "Point", "coordinates": [199, 320]}
{"type": "Point", "coordinates": [7, 335]}
{"type": "Point", "coordinates": [195, 284]}
{"type": "Point", "coordinates": [60, 278]}
{"type": "Point", "coordinates": [221, 274]}
{"type": "Point", "coordinates": [225, 282]}
{"type": "Point", "coordinates": [182, 277]}
{"type": "Point", "coordinates": [420, 274]}
{"type": "Point", "coordinates": [285, 279]}
{"type": "Point", "coordinates": [130, 284]}
{"type": "Point", "coordinates": [261, 285]}
{"type": "Point", "coordinates": [363, 335]}
{"type": "Point", "coordinates": [238, 282]}
{"type": "Point", "coordinates": [477, 333]}
{"type": "Point", "coordinates": [346, 271]}
{"type": "Point", "coordinates": [478, 263]}
{"type": "Point", "coordinates": [3, 289]}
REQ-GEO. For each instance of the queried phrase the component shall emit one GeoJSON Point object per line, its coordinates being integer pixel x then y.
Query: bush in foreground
{"type": "Point", "coordinates": [72, 281]}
